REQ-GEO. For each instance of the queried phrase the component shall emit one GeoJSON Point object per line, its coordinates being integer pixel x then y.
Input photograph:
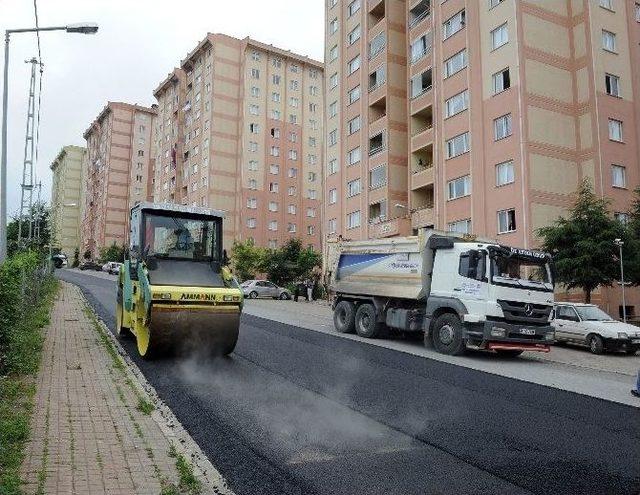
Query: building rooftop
{"type": "Point", "coordinates": [63, 152]}
{"type": "Point", "coordinates": [107, 108]}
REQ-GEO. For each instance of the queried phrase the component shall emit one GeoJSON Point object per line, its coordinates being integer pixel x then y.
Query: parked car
{"type": "Point", "coordinates": [263, 288]}
{"type": "Point", "coordinates": [111, 267]}
{"type": "Point", "coordinates": [60, 260]}
{"type": "Point", "coordinates": [587, 324]}
{"type": "Point", "coordinates": [90, 265]}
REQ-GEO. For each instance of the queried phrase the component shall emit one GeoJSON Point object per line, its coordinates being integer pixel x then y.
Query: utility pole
{"type": "Point", "coordinates": [26, 196]}
{"type": "Point", "coordinates": [37, 215]}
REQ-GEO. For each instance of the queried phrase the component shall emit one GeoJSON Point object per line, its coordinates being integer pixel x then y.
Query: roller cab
{"type": "Point", "coordinates": [175, 293]}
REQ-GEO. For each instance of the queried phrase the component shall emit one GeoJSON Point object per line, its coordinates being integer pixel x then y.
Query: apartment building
{"type": "Point", "coordinates": [239, 129]}
{"type": "Point", "coordinates": [66, 190]}
{"type": "Point", "coordinates": [116, 173]}
{"type": "Point", "coordinates": [507, 106]}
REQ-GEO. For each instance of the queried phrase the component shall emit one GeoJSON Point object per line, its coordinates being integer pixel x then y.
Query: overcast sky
{"type": "Point", "coordinates": [138, 43]}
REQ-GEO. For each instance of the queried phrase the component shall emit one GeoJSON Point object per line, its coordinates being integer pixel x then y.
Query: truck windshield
{"type": "Point", "coordinates": [513, 270]}
{"type": "Point", "coordinates": [176, 237]}
{"type": "Point", "coordinates": [592, 313]}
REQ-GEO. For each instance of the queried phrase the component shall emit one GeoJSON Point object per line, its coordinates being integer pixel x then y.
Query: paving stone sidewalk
{"type": "Point", "coordinates": [87, 434]}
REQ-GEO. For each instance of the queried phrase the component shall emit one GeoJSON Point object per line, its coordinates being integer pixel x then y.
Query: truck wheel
{"type": "Point", "coordinates": [508, 353]}
{"type": "Point", "coordinates": [253, 295]}
{"type": "Point", "coordinates": [367, 324]}
{"type": "Point", "coordinates": [596, 345]}
{"type": "Point", "coordinates": [447, 335]}
{"type": "Point", "coordinates": [344, 317]}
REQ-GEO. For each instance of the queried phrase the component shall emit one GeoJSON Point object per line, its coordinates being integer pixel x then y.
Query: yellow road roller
{"type": "Point", "coordinates": [175, 293]}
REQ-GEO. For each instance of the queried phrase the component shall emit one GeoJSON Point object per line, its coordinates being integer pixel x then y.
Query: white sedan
{"type": "Point", "coordinates": [588, 325]}
{"type": "Point", "coordinates": [263, 288]}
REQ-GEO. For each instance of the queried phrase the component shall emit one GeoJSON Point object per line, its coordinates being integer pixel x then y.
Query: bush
{"type": "Point", "coordinates": [112, 253]}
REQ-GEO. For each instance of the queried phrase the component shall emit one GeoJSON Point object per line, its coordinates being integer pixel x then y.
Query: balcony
{"type": "Point", "coordinates": [389, 228]}
{"type": "Point", "coordinates": [377, 143]}
{"type": "Point", "coordinates": [422, 177]}
{"type": "Point", "coordinates": [376, 11]}
{"type": "Point", "coordinates": [378, 110]}
{"type": "Point", "coordinates": [418, 13]}
{"type": "Point", "coordinates": [423, 217]}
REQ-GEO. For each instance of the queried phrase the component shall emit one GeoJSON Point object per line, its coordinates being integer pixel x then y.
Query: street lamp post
{"type": "Point", "coordinates": [620, 243]}
{"type": "Point", "coordinates": [84, 28]}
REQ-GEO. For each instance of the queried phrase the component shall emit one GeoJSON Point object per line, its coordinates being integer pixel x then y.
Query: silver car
{"type": "Point", "coordinates": [263, 288]}
{"type": "Point", "coordinates": [588, 325]}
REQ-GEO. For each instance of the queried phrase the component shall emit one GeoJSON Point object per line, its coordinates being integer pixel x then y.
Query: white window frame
{"type": "Point", "coordinates": [504, 178]}
{"type": "Point", "coordinates": [453, 24]}
{"type": "Point", "coordinates": [612, 85]}
{"type": "Point", "coordinates": [609, 36]}
{"type": "Point", "coordinates": [504, 214]}
{"type": "Point", "coordinates": [456, 225]}
{"type": "Point", "coordinates": [447, 64]}
{"type": "Point", "coordinates": [502, 127]}
{"type": "Point", "coordinates": [616, 130]}
{"type": "Point", "coordinates": [452, 187]}
{"type": "Point", "coordinates": [456, 104]}
{"type": "Point", "coordinates": [451, 145]}
{"type": "Point", "coordinates": [500, 36]}
{"type": "Point", "coordinates": [621, 172]}
{"type": "Point", "coordinates": [353, 220]}
{"type": "Point", "coordinates": [354, 187]}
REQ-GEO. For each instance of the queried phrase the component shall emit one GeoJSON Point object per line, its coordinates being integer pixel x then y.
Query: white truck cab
{"type": "Point", "coordinates": [461, 293]}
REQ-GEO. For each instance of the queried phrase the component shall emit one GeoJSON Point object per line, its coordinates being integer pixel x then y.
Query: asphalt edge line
{"type": "Point", "coordinates": [163, 416]}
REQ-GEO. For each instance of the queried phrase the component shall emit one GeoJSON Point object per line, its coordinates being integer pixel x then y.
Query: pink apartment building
{"type": "Point", "coordinates": [479, 116]}
{"type": "Point", "coordinates": [239, 129]}
{"type": "Point", "coordinates": [116, 171]}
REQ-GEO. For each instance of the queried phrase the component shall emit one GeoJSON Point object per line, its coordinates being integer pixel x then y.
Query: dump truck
{"type": "Point", "coordinates": [461, 292]}
{"type": "Point", "coordinates": [175, 293]}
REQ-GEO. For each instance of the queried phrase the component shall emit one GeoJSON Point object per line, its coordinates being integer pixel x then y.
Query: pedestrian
{"type": "Point", "coordinates": [636, 391]}
{"type": "Point", "coordinates": [299, 290]}
{"type": "Point", "coordinates": [309, 284]}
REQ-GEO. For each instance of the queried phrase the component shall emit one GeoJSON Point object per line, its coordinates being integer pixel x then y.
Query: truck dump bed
{"type": "Point", "coordinates": [398, 267]}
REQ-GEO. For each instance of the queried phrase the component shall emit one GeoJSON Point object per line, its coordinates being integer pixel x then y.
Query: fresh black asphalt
{"type": "Point", "coordinates": [294, 411]}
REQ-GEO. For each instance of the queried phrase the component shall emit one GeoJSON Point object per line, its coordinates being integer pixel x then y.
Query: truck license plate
{"type": "Point", "coordinates": [527, 331]}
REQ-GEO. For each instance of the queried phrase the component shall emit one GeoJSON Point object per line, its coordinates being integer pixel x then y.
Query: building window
{"type": "Point", "coordinates": [251, 223]}
{"type": "Point", "coordinates": [273, 225]}
{"type": "Point", "coordinates": [255, 91]}
{"type": "Point", "coordinates": [252, 203]}
{"type": "Point", "coordinates": [493, 3]}
{"type": "Point", "coordinates": [354, 35]}
{"type": "Point", "coordinates": [293, 173]}
{"type": "Point", "coordinates": [458, 145]}
{"type": "Point", "coordinates": [276, 115]}
{"type": "Point", "coordinates": [291, 228]}
{"type": "Point", "coordinates": [311, 212]}
{"type": "Point", "coordinates": [273, 206]}
{"type": "Point", "coordinates": [333, 26]}
{"type": "Point", "coordinates": [333, 196]}
{"type": "Point", "coordinates": [499, 36]}
{"type": "Point", "coordinates": [274, 169]}
{"type": "Point", "coordinates": [608, 41]}
{"type": "Point", "coordinates": [255, 56]}
{"type": "Point", "coordinates": [502, 127]}
{"type": "Point", "coordinates": [310, 230]}
{"type": "Point", "coordinates": [606, 4]}
{"type": "Point", "coordinates": [333, 81]}
{"type": "Point", "coordinates": [458, 188]}
{"type": "Point", "coordinates": [293, 119]}
{"type": "Point", "coordinates": [377, 177]}
{"type": "Point", "coordinates": [623, 218]}
{"type": "Point", "coordinates": [353, 7]}
{"type": "Point", "coordinates": [638, 12]}
{"type": "Point", "coordinates": [353, 65]}
{"type": "Point", "coordinates": [377, 44]}
{"type": "Point", "coordinates": [254, 128]}
{"type": "Point", "coordinates": [333, 109]}
{"type": "Point", "coordinates": [452, 25]}
{"type": "Point", "coordinates": [333, 137]}
{"type": "Point", "coordinates": [273, 187]}
{"type": "Point", "coordinates": [294, 102]}
{"type": "Point", "coordinates": [354, 95]}
{"type": "Point", "coordinates": [456, 104]}
{"type": "Point", "coordinates": [273, 243]}
{"type": "Point", "coordinates": [354, 156]}
{"type": "Point", "coordinates": [506, 221]}
{"type": "Point", "coordinates": [353, 220]}
{"type": "Point", "coordinates": [460, 226]}
{"type": "Point", "coordinates": [612, 84]}
{"type": "Point", "coordinates": [276, 62]}
{"type": "Point", "coordinates": [253, 165]}
{"type": "Point", "coordinates": [333, 53]}
{"type": "Point", "coordinates": [615, 130]}
{"type": "Point", "coordinates": [420, 47]}
{"type": "Point", "coordinates": [421, 83]}
{"type": "Point", "coordinates": [275, 133]}
{"type": "Point", "coordinates": [455, 63]}
{"type": "Point", "coordinates": [505, 173]}
{"type": "Point", "coordinates": [275, 97]}
{"type": "Point", "coordinates": [291, 191]}
{"type": "Point", "coordinates": [501, 81]}
{"type": "Point", "coordinates": [618, 176]}
{"type": "Point", "coordinates": [312, 194]}
{"type": "Point", "coordinates": [291, 209]}
{"type": "Point", "coordinates": [354, 125]}
{"type": "Point", "coordinates": [312, 176]}
{"type": "Point", "coordinates": [332, 226]}
{"type": "Point", "coordinates": [293, 154]}
{"type": "Point", "coordinates": [333, 166]}
{"type": "Point", "coordinates": [254, 109]}
{"type": "Point", "coordinates": [294, 85]}
{"type": "Point", "coordinates": [255, 73]}
{"type": "Point", "coordinates": [140, 153]}
{"type": "Point", "coordinates": [353, 188]}
{"type": "Point", "coordinates": [313, 91]}
{"type": "Point", "coordinates": [275, 151]}
{"type": "Point", "coordinates": [276, 79]}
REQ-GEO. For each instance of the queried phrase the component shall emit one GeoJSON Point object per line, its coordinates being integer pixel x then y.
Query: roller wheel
{"type": "Point", "coordinates": [367, 324]}
{"type": "Point", "coordinates": [344, 317]}
{"type": "Point", "coordinates": [447, 335]}
{"type": "Point", "coordinates": [122, 332]}
{"type": "Point", "coordinates": [253, 295]}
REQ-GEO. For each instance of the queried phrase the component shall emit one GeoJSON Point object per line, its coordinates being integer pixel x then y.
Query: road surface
{"type": "Point", "coordinates": [295, 411]}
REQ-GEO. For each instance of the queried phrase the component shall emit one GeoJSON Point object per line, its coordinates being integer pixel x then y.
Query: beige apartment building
{"type": "Point", "coordinates": [116, 173]}
{"type": "Point", "coordinates": [66, 190]}
{"type": "Point", "coordinates": [479, 116]}
{"type": "Point", "coordinates": [239, 129]}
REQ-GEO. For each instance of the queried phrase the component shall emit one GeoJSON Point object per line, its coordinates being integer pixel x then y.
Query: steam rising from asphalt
{"type": "Point", "coordinates": [299, 424]}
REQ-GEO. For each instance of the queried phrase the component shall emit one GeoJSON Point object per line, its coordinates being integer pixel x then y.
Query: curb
{"type": "Point", "coordinates": [212, 480]}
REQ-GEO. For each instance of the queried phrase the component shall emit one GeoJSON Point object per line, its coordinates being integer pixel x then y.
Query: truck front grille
{"type": "Point", "coordinates": [518, 311]}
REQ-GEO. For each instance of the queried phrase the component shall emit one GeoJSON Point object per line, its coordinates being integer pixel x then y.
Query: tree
{"type": "Point", "coordinates": [87, 254]}
{"type": "Point", "coordinates": [246, 259]}
{"type": "Point", "coordinates": [40, 212]}
{"type": "Point", "coordinates": [76, 258]}
{"type": "Point", "coordinates": [112, 253]}
{"type": "Point", "coordinates": [584, 253]}
{"type": "Point", "coordinates": [289, 263]}
{"type": "Point", "coordinates": [631, 252]}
